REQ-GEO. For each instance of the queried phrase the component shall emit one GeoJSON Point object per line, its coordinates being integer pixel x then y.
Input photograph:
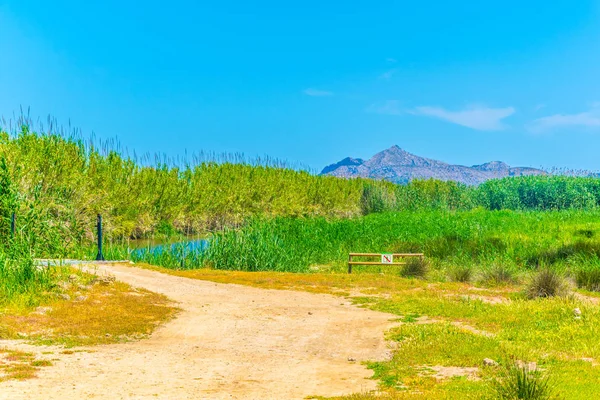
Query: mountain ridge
{"type": "Point", "coordinates": [399, 166]}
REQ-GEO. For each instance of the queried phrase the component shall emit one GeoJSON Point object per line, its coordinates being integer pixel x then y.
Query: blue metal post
{"type": "Point", "coordinates": [100, 256]}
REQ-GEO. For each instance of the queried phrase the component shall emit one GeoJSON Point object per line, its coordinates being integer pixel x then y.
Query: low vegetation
{"type": "Point", "coordinates": [19, 365]}
{"type": "Point", "coordinates": [461, 273]}
{"type": "Point", "coordinates": [85, 311]}
{"type": "Point", "coordinates": [587, 273]}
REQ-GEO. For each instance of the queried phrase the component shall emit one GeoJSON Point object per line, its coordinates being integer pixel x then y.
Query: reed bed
{"type": "Point", "coordinates": [480, 239]}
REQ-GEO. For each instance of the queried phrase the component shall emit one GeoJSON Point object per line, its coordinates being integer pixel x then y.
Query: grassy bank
{"type": "Point", "coordinates": [478, 239]}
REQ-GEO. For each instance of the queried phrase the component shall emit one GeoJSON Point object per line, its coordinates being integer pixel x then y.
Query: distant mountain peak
{"type": "Point", "coordinates": [400, 166]}
{"type": "Point", "coordinates": [348, 161]}
{"type": "Point", "coordinates": [492, 166]}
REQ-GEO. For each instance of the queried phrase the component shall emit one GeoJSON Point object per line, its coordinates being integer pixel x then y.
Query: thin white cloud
{"type": "Point", "coordinates": [317, 92]}
{"type": "Point", "coordinates": [387, 75]}
{"type": "Point", "coordinates": [539, 107]}
{"type": "Point", "coordinates": [474, 117]}
{"type": "Point", "coordinates": [586, 119]}
{"type": "Point", "coordinates": [391, 60]}
{"type": "Point", "coordinates": [389, 107]}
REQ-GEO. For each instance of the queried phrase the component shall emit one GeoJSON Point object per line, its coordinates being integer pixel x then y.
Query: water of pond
{"type": "Point", "coordinates": [190, 244]}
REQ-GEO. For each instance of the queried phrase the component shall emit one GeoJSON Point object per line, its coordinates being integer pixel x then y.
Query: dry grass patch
{"type": "Point", "coordinates": [19, 365]}
{"type": "Point", "coordinates": [334, 283]}
{"type": "Point", "coordinates": [103, 313]}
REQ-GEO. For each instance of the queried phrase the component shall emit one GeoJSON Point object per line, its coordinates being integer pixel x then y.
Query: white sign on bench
{"type": "Point", "coordinates": [387, 258]}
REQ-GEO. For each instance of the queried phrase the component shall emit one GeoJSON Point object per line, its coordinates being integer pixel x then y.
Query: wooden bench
{"type": "Point", "coordinates": [385, 259]}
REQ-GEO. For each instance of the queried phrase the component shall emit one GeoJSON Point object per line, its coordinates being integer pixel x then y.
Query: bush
{"type": "Point", "coordinates": [519, 381]}
{"type": "Point", "coordinates": [416, 267]}
{"type": "Point", "coordinates": [461, 273]}
{"type": "Point", "coordinates": [547, 283]}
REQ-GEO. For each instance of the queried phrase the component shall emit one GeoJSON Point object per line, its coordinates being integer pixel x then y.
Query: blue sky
{"type": "Point", "coordinates": [313, 82]}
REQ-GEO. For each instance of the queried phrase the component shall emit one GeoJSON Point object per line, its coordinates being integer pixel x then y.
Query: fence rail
{"type": "Point", "coordinates": [386, 259]}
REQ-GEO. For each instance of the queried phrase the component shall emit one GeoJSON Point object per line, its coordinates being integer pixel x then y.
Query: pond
{"type": "Point", "coordinates": [156, 247]}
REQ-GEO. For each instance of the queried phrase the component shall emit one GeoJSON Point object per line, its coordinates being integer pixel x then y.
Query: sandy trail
{"type": "Point", "coordinates": [229, 342]}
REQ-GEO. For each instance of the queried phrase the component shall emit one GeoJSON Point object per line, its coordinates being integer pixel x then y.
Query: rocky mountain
{"type": "Point", "coordinates": [399, 166]}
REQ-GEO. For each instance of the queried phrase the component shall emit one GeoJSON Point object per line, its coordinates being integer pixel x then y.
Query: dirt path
{"type": "Point", "coordinates": [229, 342]}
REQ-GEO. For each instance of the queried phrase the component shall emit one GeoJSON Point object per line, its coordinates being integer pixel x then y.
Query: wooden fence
{"type": "Point", "coordinates": [385, 259]}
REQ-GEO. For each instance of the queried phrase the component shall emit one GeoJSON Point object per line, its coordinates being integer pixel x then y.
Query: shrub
{"type": "Point", "coordinates": [416, 267]}
{"type": "Point", "coordinates": [461, 273]}
{"type": "Point", "coordinates": [547, 283]}
{"type": "Point", "coordinates": [519, 381]}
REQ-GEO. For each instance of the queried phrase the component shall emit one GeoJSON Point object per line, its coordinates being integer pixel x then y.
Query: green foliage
{"type": "Point", "coordinates": [377, 198]}
{"type": "Point", "coordinates": [20, 279]}
{"type": "Point", "coordinates": [540, 193]}
{"type": "Point", "coordinates": [272, 218]}
{"type": "Point", "coordinates": [67, 181]}
{"type": "Point", "coordinates": [499, 274]}
{"type": "Point", "coordinates": [435, 194]}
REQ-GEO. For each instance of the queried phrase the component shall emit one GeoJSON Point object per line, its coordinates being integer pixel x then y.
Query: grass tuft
{"type": "Point", "coordinates": [519, 381]}
{"type": "Point", "coordinates": [547, 283]}
{"type": "Point", "coordinates": [461, 273]}
{"type": "Point", "coordinates": [499, 274]}
{"type": "Point", "coordinates": [416, 267]}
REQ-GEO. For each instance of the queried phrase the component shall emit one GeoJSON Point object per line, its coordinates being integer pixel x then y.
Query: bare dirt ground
{"type": "Point", "coordinates": [228, 342]}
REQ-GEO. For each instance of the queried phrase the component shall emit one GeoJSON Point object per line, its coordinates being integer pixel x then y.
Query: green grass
{"type": "Point", "coordinates": [21, 281]}
{"type": "Point", "coordinates": [587, 273]}
{"type": "Point", "coordinates": [497, 245]}
{"type": "Point", "coordinates": [542, 331]}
